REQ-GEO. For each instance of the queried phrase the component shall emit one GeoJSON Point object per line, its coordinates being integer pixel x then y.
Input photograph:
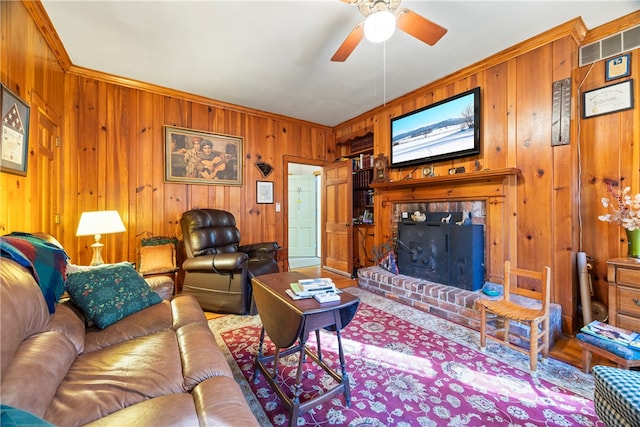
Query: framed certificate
{"type": "Point", "coordinates": [264, 191]}
{"type": "Point", "coordinates": [14, 133]}
{"type": "Point", "coordinates": [608, 99]}
{"type": "Point", "coordinates": [617, 67]}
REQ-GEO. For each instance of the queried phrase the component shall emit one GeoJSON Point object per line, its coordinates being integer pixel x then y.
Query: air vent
{"type": "Point", "coordinates": [610, 46]}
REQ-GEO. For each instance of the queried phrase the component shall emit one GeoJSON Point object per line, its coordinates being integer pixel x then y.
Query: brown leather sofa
{"type": "Point", "coordinates": [160, 366]}
{"type": "Point", "coordinates": [217, 269]}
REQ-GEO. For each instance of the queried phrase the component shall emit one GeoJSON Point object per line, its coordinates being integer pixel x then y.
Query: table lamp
{"type": "Point", "coordinates": [98, 223]}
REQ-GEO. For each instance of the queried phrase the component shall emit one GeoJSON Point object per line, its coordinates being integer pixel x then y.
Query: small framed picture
{"type": "Point", "coordinates": [14, 133]}
{"type": "Point", "coordinates": [264, 191]}
{"type": "Point", "coordinates": [617, 67]}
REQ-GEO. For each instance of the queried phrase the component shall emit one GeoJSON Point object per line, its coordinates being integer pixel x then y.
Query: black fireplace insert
{"type": "Point", "coordinates": [441, 251]}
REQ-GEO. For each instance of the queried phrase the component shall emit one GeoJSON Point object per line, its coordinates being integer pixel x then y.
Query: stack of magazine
{"type": "Point", "coordinates": [614, 334]}
{"type": "Point", "coordinates": [308, 288]}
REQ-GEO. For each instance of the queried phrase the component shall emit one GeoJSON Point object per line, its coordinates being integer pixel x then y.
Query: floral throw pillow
{"type": "Point", "coordinates": [110, 293]}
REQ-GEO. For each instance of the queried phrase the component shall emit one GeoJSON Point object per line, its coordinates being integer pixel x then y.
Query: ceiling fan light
{"type": "Point", "coordinates": [379, 26]}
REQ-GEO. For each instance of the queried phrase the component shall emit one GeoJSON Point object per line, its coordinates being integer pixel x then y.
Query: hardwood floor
{"type": "Point", "coordinates": [565, 348]}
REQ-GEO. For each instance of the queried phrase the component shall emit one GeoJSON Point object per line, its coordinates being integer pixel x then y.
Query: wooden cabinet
{"type": "Point", "coordinates": [623, 275]}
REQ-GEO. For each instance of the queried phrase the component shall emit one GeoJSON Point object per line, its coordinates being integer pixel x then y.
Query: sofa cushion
{"type": "Point", "coordinates": [153, 319]}
{"type": "Point", "coordinates": [113, 378]}
{"type": "Point", "coordinates": [110, 293]}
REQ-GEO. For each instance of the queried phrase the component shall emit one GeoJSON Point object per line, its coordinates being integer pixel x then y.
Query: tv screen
{"type": "Point", "coordinates": [442, 131]}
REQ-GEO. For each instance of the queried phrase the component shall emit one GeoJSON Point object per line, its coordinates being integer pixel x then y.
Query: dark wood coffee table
{"type": "Point", "coordinates": [288, 321]}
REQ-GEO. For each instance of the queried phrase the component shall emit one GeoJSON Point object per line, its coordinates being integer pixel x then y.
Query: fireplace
{"type": "Point", "coordinates": [442, 249]}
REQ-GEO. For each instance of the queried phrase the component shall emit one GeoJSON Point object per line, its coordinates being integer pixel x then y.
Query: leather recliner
{"type": "Point", "coordinates": [217, 269]}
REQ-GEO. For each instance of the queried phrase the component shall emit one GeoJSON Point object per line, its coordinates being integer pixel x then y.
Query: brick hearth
{"type": "Point", "coordinates": [454, 304]}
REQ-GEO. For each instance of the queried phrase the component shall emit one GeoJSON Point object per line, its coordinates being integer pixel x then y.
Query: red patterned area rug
{"type": "Point", "coordinates": [409, 368]}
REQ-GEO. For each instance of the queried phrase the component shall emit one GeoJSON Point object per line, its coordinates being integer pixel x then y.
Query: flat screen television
{"type": "Point", "coordinates": [445, 130]}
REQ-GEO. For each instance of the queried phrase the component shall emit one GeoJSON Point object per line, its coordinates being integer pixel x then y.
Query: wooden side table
{"type": "Point", "coordinates": [287, 321]}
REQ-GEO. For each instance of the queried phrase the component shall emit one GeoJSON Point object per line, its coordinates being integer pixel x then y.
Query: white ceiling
{"type": "Point", "coordinates": [275, 55]}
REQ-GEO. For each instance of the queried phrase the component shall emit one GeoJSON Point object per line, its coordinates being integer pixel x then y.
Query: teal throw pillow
{"type": "Point", "coordinates": [110, 293]}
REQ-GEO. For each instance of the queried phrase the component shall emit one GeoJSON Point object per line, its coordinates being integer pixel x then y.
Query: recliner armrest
{"type": "Point", "coordinates": [260, 249]}
{"type": "Point", "coordinates": [220, 262]}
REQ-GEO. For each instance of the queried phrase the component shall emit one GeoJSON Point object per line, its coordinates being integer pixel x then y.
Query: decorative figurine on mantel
{"type": "Point", "coordinates": [418, 216]}
{"type": "Point", "coordinates": [380, 169]}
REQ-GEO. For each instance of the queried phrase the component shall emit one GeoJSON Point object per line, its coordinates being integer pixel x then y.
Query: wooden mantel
{"type": "Point", "coordinates": [468, 177]}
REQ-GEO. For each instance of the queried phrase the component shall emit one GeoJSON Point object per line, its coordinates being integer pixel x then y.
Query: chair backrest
{"type": "Point", "coordinates": [209, 232]}
{"type": "Point", "coordinates": [528, 283]}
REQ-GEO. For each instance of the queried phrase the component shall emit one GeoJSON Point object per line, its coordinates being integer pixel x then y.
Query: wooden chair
{"type": "Point", "coordinates": [536, 318]}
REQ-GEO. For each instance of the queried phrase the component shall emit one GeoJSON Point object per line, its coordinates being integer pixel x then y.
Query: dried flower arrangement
{"type": "Point", "coordinates": [625, 208]}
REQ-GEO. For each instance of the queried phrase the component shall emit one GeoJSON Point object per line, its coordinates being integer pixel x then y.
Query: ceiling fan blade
{"type": "Point", "coordinates": [355, 36]}
{"type": "Point", "coordinates": [419, 27]}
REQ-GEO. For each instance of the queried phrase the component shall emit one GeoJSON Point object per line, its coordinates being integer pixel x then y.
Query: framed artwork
{"type": "Point", "coordinates": [617, 67]}
{"type": "Point", "coordinates": [197, 157]}
{"type": "Point", "coordinates": [608, 99]}
{"type": "Point", "coordinates": [14, 134]}
{"type": "Point", "coordinates": [264, 191]}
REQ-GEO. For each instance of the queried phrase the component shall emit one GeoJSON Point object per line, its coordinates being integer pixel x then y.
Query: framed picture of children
{"type": "Point", "coordinates": [197, 157]}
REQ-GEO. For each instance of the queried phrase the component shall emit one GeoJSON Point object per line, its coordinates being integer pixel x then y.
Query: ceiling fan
{"type": "Point", "coordinates": [382, 17]}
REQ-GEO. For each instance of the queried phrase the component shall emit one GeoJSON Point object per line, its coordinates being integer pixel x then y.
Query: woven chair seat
{"type": "Point", "coordinates": [512, 310]}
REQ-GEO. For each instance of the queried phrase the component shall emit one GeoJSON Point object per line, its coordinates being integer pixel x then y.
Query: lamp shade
{"type": "Point", "coordinates": [379, 26]}
{"type": "Point", "coordinates": [100, 222]}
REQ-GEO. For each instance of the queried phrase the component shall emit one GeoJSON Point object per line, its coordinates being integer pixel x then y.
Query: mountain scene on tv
{"type": "Point", "coordinates": [445, 129]}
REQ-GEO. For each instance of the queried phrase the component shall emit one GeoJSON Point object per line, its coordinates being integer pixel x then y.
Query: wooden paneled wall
{"type": "Point", "coordinates": [609, 152]}
{"type": "Point", "coordinates": [111, 150]}
{"type": "Point", "coordinates": [116, 135]}
{"type": "Point", "coordinates": [555, 217]}
{"type": "Point", "coordinates": [112, 147]}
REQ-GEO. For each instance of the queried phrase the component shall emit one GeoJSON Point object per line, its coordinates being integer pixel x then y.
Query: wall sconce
{"type": "Point", "coordinates": [97, 223]}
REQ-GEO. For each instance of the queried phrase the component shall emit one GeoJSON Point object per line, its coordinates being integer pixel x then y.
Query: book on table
{"type": "Point", "coordinates": [298, 292]}
{"type": "Point", "coordinates": [314, 284]}
{"type": "Point", "coordinates": [612, 333]}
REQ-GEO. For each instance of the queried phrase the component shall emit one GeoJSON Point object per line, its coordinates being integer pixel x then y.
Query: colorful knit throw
{"type": "Point", "coordinates": [47, 263]}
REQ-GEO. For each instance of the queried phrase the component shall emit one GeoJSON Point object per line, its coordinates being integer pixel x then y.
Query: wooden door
{"type": "Point", "coordinates": [303, 216]}
{"type": "Point", "coordinates": [338, 242]}
{"type": "Point", "coordinates": [46, 167]}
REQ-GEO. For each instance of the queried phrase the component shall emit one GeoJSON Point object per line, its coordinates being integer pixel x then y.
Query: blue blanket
{"type": "Point", "coordinates": [46, 262]}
